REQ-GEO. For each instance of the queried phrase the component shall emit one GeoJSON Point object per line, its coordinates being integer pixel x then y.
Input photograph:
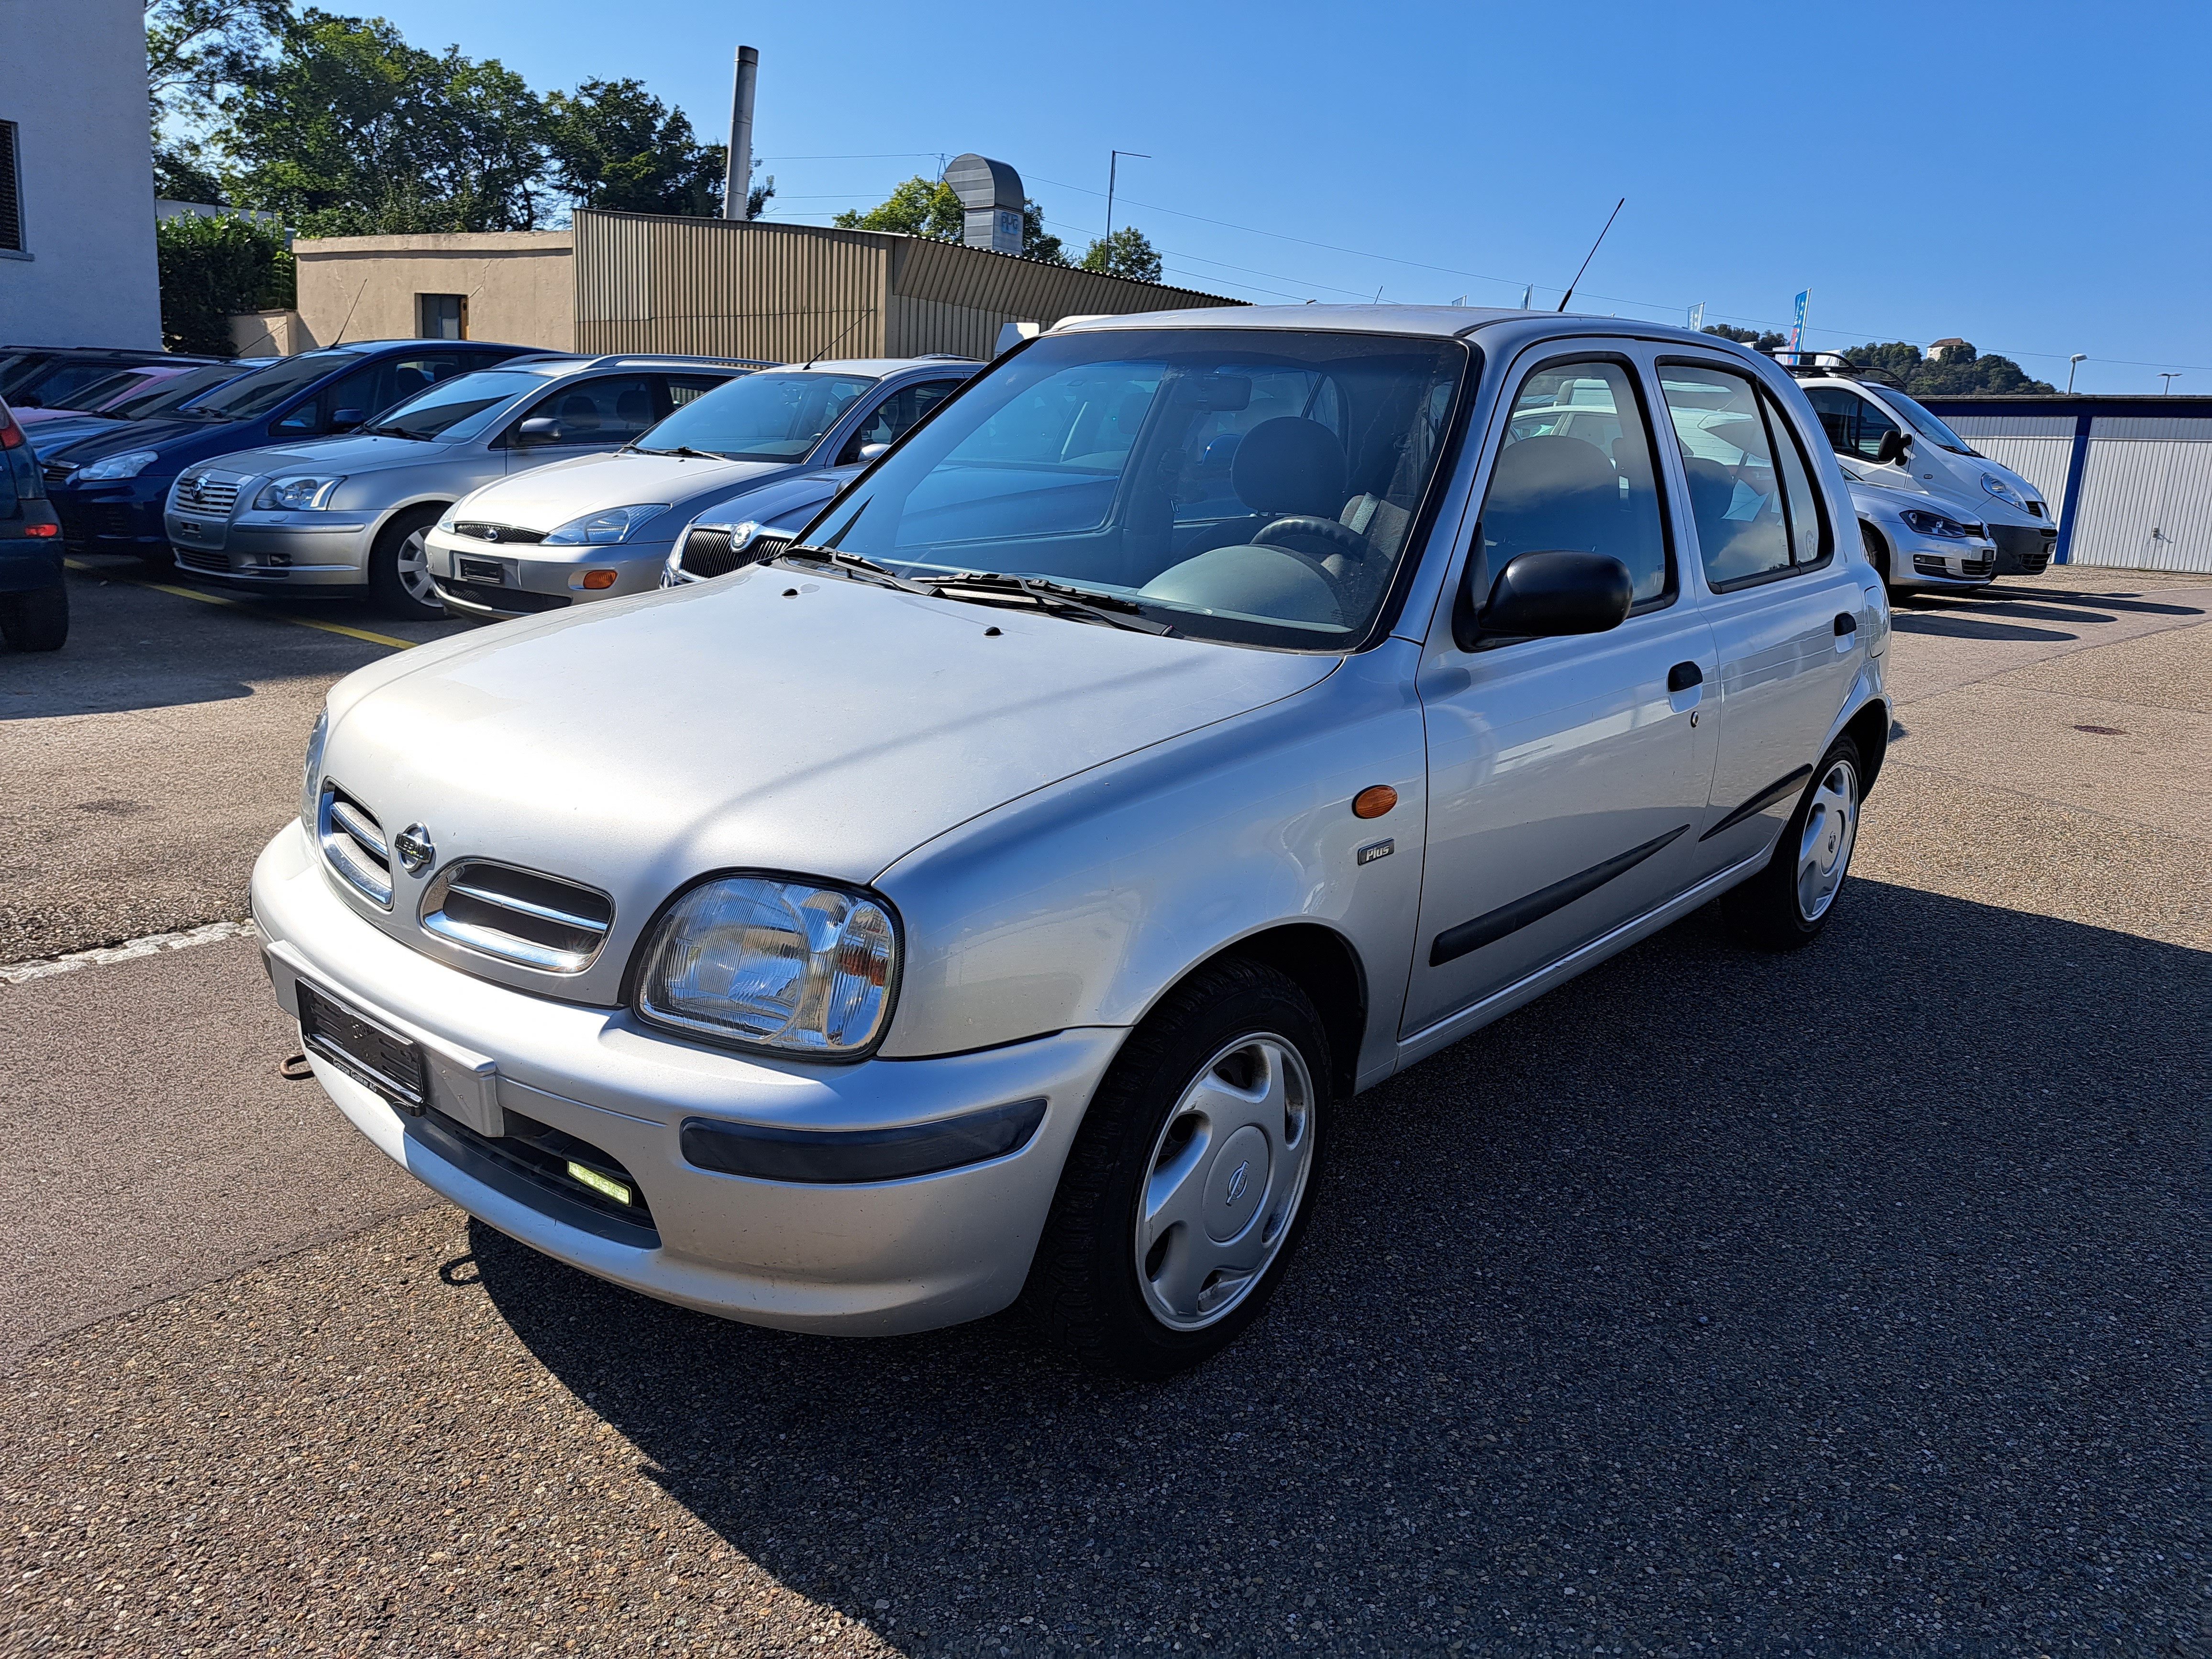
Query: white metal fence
{"type": "Point", "coordinates": [2144, 502]}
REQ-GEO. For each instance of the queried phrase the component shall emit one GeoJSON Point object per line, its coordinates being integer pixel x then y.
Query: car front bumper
{"type": "Point", "coordinates": [2023, 549]}
{"type": "Point", "coordinates": [112, 515]}
{"type": "Point", "coordinates": [861, 1259]}
{"type": "Point", "coordinates": [526, 579]}
{"type": "Point", "coordinates": [276, 550]}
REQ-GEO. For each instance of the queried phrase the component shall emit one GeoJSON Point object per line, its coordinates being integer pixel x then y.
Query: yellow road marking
{"type": "Point", "coordinates": [250, 609]}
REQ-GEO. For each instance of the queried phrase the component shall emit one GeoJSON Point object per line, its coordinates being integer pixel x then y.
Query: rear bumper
{"type": "Point", "coordinates": [2023, 549]}
{"type": "Point", "coordinates": [28, 566]}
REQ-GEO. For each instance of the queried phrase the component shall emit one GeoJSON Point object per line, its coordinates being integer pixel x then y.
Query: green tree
{"type": "Point", "coordinates": [349, 131]}
{"type": "Point", "coordinates": [1769, 341]}
{"type": "Point", "coordinates": [1126, 252]}
{"type": "Point", "coordinates": [195, 50]}
{"type": "Point", "coordinates": [213, 269]}
{"type": "Point", "coordinates": [924, 207]}
{"type": "Point", "coordinates": [613, 145]}
{"type": "Point", "coordinates": [1960, 372]}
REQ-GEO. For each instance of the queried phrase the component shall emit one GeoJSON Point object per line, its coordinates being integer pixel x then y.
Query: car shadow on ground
{"type": "Point", "coordinates": [1713, 1296]}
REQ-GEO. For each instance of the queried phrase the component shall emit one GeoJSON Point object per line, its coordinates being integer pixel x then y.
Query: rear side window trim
{"type": "Point", "coordinates": [1769, 408]}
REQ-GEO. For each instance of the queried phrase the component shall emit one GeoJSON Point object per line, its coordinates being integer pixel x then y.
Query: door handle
{"type": "Point", "coordinates": [1684, 675]}
{"type": "Point", "coordinates": [1846, 623]}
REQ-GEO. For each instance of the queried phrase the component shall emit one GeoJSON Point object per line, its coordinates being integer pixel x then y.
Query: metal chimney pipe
{"type": "Point", "coordinates": [737, 174]}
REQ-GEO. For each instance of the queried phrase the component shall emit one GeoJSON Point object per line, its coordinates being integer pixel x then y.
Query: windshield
{"type": "Point", "coordinates": [107, 387]}
{"type": "Point", "coordinates": [1926, 425]}
{"type": "Point", "coordinates": [1256, 488]}
{"type": "Point", "coordinates": [760, 417]}
{"type": "Point", "coordinates": [164, 396]}
{"type": "Point", "coordinates": [257, 393]}
{"type": "Point", "coordinates": [458, 408]}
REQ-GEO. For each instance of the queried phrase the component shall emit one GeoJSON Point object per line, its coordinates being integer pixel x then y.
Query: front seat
{"type": "Point", "coordinates": [633, 411]}
{"type": "Point", "coordinates": [579, 416]}
{"type": "Point", "coordinates": [1551, 494]}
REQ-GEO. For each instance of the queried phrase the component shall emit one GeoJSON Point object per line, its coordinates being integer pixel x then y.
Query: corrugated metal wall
{"type": "Point", "coordinates": [2146, 496]}
{"type": "Point", "coordinates": [789, 293]}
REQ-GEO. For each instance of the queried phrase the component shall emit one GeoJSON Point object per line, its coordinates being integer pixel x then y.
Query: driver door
{"type": "Point", "coordinates": [1567, 776]}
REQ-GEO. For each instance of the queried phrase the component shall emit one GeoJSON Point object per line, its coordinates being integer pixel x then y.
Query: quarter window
{"type": "Point", "coordinates": [1576, 475]}
{"type": "Point", "coordinates": [1755, 518]}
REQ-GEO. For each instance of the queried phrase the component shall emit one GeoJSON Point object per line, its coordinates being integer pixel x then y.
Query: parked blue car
{"type": "Point", "coordinates": [109, 489]}
{"type": "Point", "coordinates": [160, 401]}
{"type": "Point", "coordinates": [33, 603]}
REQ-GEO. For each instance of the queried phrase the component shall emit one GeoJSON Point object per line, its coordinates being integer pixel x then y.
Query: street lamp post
{"type": "Point", "coordinates": [1113, 169]}
{"type": "Point", "coordinates": [2169, 377]}
{"type": "Point", "coordinates": [2073, 363]}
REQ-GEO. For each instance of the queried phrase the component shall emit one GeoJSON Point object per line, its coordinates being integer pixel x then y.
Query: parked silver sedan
{"type": "Point", "coordinates": [999, 895]}
{"type": "Point", "coordinates": [352, 512]}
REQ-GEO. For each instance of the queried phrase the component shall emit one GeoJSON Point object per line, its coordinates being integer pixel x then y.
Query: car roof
{"type": "Point", "coordinates": [878, 367]}
{"type": "Point", "coordinates": [1434, 322]}
{"type": "Point", "coordinates": [552, 365]}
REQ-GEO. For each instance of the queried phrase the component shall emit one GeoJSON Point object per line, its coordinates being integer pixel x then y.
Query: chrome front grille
{"type": "Point", "coordinates": [353, 846]}
{"type": "Point", "coordinates": [212, 495]}
{"type": "Point", "coordinates": [517, 915]}
{"type": "Point", "coordinates": [476, 530]}
{"type": "Point", "coordinates": [201, 558]}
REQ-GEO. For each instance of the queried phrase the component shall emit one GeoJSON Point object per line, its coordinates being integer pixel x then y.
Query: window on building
{"type": "Point", "coordinates": [442, 316]}
{"type": "Point", "coordinates": [11, 195]}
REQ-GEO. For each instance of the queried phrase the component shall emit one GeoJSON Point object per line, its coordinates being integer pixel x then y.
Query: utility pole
{"type": "Point", "coordinates": [2073, 363]}
{"type": "Point", "coordinates": [738, 170]}
{"type": "Point", "coordinates": [1112, 167]}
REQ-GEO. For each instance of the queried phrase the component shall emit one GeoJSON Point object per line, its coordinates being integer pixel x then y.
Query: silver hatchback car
{"type": "Point", "coordinates": [352, 512]}
{"type": "Point", "coordinates": [995, 895]}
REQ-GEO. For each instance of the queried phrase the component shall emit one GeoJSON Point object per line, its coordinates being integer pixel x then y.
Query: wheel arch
{"type": "Point", "coordinates": [1870, 730]}
{"type": "Point", "coordinates": [1324, 964]}
{"type": "Point", "coordinates": [1877, 548]}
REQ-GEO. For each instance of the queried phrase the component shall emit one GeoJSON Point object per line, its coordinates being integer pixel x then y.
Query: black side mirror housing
{"type": "Point", "coordinates": [1544, 595]}
{"type": "Point", "coordinates": [1895, 446]}
{"type": "Point", "coordinates": [538, 429]}
{"type": "Point", "coordinates": [344, 420]}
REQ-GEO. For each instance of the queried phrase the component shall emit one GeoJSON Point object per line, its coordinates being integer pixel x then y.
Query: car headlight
{"type": "Point", "coordinates": [129, 465]}
{"type": "Point", "coordinates": [774, 962]}
{"type": "Point", "coordinates": [311, 779]}
{"type": "Point", "coordinates": [1934, 523]}
{"type": "Point", "coordinates": [603, 529]}
{"type": "Point", "coordinates": [2003, 491]}
{"type": "Point", "coordinates": [307, 493]}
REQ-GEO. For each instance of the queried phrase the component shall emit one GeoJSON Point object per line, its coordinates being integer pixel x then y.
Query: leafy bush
{"type": "Point", "coordinates": [213, 269]}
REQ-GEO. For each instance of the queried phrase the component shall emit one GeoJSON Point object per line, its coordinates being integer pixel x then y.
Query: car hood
{"type": "Point", "coordinates": [113, 437]}
{"type": "Point", "coordinates": [547, 497]}
{"type": "Point", "coordinates": [767, 720]}
{"type": "Point", "coordinates": [781, 503]}
{"type": "Point", "coordinates": [349, 455]}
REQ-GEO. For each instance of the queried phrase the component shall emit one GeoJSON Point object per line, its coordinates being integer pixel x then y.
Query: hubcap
{"type": "Point", "coordinates": [414, 567]}
{"type": "Point", "coordinates": [1824, 851]}
{"type": "Point", "coordinates": [1224, 1181]}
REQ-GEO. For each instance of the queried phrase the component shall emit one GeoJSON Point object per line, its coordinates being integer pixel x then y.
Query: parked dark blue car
{"type": "Point", "coordinates": [33, 603]}
{"type": "Point", "coordinates": [109, 488]}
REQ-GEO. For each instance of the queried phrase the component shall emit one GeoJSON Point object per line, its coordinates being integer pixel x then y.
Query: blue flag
{"type": "Point", "coordinates": [1797, 329]}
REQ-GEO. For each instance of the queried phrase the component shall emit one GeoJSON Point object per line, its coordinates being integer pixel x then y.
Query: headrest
{"type": "Point", "coordinates": [578, 409]}
{"type": "Point", "coordinates": [1290, 464]}
{"type": "Point", "coordinates": [1541, 472]}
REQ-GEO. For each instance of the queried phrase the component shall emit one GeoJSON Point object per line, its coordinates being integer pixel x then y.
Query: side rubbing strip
{"type": "Point", "coordinates": [1488, 929]}
{"type": "Point", "coordinates": [1759, 802]}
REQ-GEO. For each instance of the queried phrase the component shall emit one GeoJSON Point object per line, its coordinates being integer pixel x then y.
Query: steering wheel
{"type": "Point", "coordinates": [1299, 523]}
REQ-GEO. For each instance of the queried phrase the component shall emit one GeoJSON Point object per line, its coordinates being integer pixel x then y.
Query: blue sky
{"type": "Point", "coordinates": [2030, 176]}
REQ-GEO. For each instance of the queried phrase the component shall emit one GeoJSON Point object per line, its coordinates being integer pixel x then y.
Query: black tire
{"type": "Point", "coordinates": [1087, 1290]}
{"type": "Point", "coordinates": [1877, 552]}
{"type": "Point", "coordinates": [392, 577]}
{"type": "Point", "coordinates": [1770, 910]}
{"type": "Point", "coordinates": [36, 621]}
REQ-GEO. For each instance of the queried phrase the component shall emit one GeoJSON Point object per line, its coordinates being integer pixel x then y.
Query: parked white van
{"type": "Point", "coordinates": [1887, 439]}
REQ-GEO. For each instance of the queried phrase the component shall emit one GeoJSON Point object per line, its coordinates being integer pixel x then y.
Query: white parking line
{"type": "Point", "coordinates": [19, 973]}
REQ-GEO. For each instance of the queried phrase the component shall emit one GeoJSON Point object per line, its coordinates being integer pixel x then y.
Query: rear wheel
{"type": "Point", "coordinates": [1787, 904]}
{"type": "Point", "coordinates": [400, 567]}
{"type": "Point", "coordinates": [35, 622]}
{"type": "Point", "coordinates": [1187, 1187]}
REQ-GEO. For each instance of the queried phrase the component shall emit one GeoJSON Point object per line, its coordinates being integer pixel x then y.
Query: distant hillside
{"type": "Point", "coordinates": [1960, 372]}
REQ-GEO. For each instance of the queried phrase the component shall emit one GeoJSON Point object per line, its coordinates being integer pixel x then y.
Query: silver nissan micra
{"type": "Point", "coordinates": [993, 895]}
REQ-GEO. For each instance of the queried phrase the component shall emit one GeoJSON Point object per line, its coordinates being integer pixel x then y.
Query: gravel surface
{"type": "Point", "coordinates": [1850, 1300]}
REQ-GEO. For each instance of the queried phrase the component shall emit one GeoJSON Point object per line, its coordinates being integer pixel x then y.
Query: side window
{"type": "Point", "coordinates": [1576, 474]}
{"type": "Point", "coordinates": [1855, 426]}
{"type": "Point", "coordinates": [682, 388]}
{"type": "Point", "coordinates": [889, 420]}
{"type": "Point", "coordinates": [608, 409]}
{"type": "Point", "coordinates": [1755, 518]}
{"type": "Point", "coordinates": [366, 392]}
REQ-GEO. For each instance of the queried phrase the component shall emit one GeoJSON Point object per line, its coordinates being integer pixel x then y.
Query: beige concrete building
{"type": "Point", "coordinates": [641, 283]}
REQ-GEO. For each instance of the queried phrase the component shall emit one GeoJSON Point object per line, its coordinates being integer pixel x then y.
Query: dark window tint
{"type": "Point", "coordinates": [607, 410]}
{"type": "Point", "coordinates": [682, 388]}
{"type": "Point", "coordinates": [889, 420]}
{"type": "Point", "coordinates": [360, 396]}
{"type": "Point", "coordinates": [1576, 475]}
{"type": "Point", "coordinates": [442, 316]}
{"type": "Point", "coordinates": [254, 395]}
{"type": "Point", "coordinates": [11, 195]}
{"type": "Point", "coordinates": [1854, 425]}
{"type": "Point", "coordinates": [1754, 519]}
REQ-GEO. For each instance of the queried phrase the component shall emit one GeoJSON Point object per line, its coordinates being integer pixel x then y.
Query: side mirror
{"type": "Point", "coordinates": [538, 429]}
{"type": "Point", "coordinates": [869, 452]}
{"type": "Point", "coordinates": [1895, 445]}
{"type": "Point", "coordinates": [1545, 595]}
{"type": "Point", "coordinates": [344, 420]}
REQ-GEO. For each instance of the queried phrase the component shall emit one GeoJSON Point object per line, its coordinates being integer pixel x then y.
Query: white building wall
{"type": "Point", "coordinates": [73, 80]}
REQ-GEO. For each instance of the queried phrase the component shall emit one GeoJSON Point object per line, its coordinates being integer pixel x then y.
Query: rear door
{"type": "Point", "coordinates": [1785, 607]}
{"type": "Point", "coordinates": [1567, 779]}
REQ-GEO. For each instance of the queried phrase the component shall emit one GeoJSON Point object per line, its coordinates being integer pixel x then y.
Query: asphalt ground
{"type": "Point", "coordinates": [1850, 1301]}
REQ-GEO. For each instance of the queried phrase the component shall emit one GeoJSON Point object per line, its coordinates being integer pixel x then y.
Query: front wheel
{"type": "Point", "coordinates": [1188, 1185]}
{"type": "Point", "coordinates": [36, 621]}
{"type": "Point", "coordinates": [1877, 552]}
{"type": "Point", "coordinates": [1787, 904]}
{"type": "Point", "coordinates": [399, 569]}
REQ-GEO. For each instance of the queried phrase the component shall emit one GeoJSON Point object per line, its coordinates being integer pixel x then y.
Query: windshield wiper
{"type": "Point", "coordinates": [1056, 598]}
{"type": "Point", "coordinates": [858, 566]}
{"type": "Point", "coordinates": [396, 432]}
{"type": "Point", "coordinates": [684, 450]}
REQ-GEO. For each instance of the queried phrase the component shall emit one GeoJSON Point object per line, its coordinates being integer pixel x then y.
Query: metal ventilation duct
{"type": "Point", "coordinates": [991, 198]}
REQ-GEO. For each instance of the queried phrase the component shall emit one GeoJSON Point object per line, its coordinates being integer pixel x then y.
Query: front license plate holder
{"type": "Point", "coordinates": [480, 570]}
{"type": "Point", "coordinates": [367, 1050]}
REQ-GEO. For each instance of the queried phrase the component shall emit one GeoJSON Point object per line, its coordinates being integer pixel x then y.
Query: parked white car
{"type": "Point", "coordinates": [1887, 440]}
{"type": "Point", "coordinates": [997, 895]}
{"type": "Point", "coordinates": [602, 526]}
